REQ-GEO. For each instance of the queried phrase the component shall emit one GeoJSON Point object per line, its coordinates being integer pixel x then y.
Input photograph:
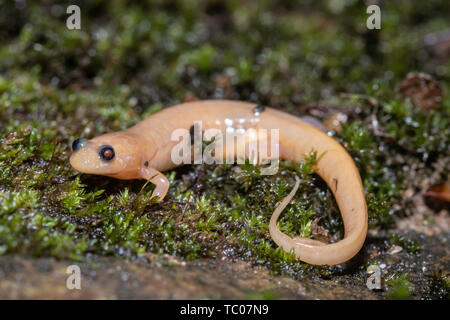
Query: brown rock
{"type": "Point", "coordinates": [318, 232]}
{"type": "Point", "coordinates": [334, 122]}
{"type": "Point", "coordinates": [424, 91]}
{"type": "Point", "coordinates": [190, 97]}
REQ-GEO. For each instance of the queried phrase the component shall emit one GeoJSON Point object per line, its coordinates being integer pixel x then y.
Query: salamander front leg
{"type": "Point", "coordinates": [159, 180]}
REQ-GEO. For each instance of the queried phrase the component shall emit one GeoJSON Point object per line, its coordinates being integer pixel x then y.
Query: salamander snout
{"type": "Point", "coordinates": [113, 154]}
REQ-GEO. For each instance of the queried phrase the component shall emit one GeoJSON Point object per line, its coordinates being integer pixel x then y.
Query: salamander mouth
{"type": "Point", "coordinates": [87, 161]}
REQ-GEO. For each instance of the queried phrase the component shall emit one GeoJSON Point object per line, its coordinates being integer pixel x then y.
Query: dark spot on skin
{"type": "Point", "coordinates": [258, 109]}
{"type": "Point", "coordinates": [335, 184]}
{"type": "Point", "coordinates": [146, 163]}
{"type": "Point", "coordinates": [191, 132]}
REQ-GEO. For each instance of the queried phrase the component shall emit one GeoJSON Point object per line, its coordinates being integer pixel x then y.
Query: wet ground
{"type": "Point", "coordinates": [165, 277]}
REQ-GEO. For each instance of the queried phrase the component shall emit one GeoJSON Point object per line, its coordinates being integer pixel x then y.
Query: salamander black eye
{"type": "Point", "coordinates": [78, 144]}
{"type": "Point", "coordinates": [106, 153]}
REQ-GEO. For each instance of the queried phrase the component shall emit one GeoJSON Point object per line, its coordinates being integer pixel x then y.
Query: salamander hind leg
{"type": "Point", "coordinates": [158, 179]}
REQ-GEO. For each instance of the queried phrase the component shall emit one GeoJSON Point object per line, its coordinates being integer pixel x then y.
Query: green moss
{"type": "Point", "coordinates": [410, 245]}
{"type": "Point", "coordinates": [400, 288]}
{"type": "Point", "coordinates": [264, 295]}
{"type": "Point", "coordinates": [24, 229]}
{"type": "Point", "coordinates": [201, 58]}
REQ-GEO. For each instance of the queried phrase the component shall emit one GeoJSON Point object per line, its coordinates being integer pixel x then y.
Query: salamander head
{"type": "Point", "coordinates": [114, 154]}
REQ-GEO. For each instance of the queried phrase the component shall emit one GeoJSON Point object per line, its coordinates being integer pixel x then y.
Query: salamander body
{"type": "Point", "coordinates": [144, 151]}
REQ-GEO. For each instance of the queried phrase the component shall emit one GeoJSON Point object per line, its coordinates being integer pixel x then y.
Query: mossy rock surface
{"type": "Point", "coordinates": [154, 276]}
